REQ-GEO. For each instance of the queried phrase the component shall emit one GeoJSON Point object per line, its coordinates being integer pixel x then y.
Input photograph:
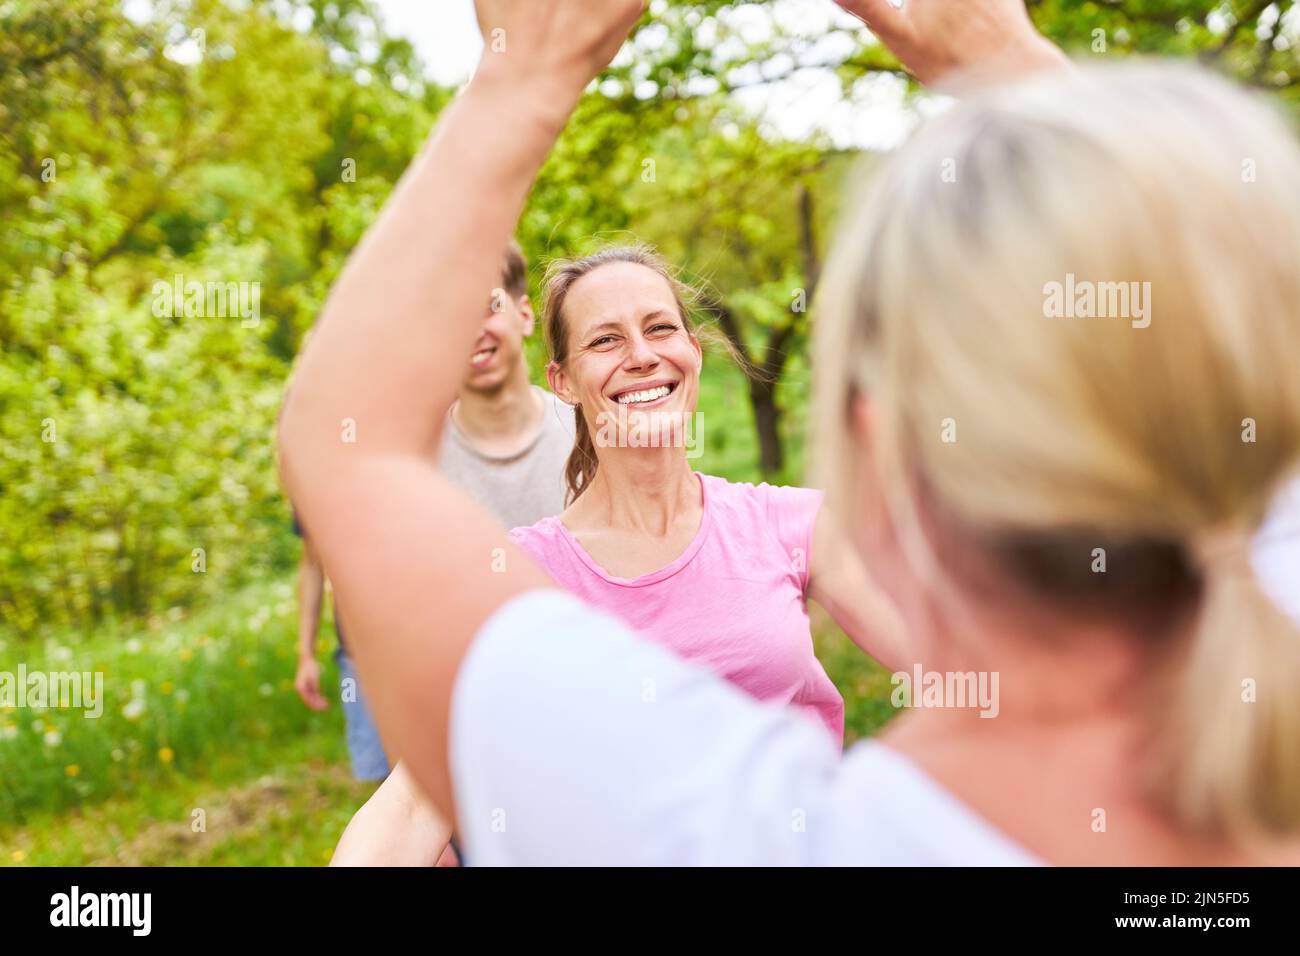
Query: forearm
{"type": "Point", "coordinates": [311, 590]}
{"type": "Point", "coordinates": [874, 626]}
{"type": "Point", "coordinates": [841, 583]}
{"type": "Point", "coordinates": [395, 827]}
{"type": "Point", "coordinates": [1002, 59]}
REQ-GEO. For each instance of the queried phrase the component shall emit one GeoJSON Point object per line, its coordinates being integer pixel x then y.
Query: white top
{"type": "Point", "coordinates": [573, 741]}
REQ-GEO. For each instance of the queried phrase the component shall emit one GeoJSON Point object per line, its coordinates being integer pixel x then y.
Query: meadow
{"type": "Point", "coordinates": [204, 755]}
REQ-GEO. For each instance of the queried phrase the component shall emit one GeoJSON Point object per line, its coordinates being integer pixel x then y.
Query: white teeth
{"type": "Point", "coordinates": [649, 395]}
{"type": "Point", "coordinates": [479, 356]}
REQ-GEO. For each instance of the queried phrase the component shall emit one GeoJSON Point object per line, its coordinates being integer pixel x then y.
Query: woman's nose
{"type": "Point", "coordinates": [640, 354]}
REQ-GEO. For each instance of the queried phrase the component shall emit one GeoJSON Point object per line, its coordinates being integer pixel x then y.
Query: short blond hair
{"type": "Point", "coordinates": [1075, 433]}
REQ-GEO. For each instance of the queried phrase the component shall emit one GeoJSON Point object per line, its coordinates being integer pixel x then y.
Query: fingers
{"type": "Point", "coordinates": [883, 17]}
{"type": "Point", "coordinates": [309, 693]}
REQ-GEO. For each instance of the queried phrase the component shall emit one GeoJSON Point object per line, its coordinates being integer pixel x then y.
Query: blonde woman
{"type": "Point", "coordinates": [989, 461]}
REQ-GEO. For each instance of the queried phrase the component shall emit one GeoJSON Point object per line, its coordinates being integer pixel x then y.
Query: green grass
{"type": "Point", "coordinates": [180, 695]}
{"type": "Point", "coordinates": [287, 814]}
{"type": "Point", "coordinates": [221, 731]}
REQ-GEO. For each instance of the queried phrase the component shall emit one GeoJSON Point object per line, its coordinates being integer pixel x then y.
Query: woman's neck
{"type": "Point", "coordinates": [1051, 765]}
{"type": "Point", "coordinates": [646, 490]}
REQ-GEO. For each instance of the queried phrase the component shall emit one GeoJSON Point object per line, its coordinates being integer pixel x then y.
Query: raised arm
{"type": "Point", "coordinates": [986, 40]}
{"type": "Point", "coordinates": [840, 582]}
{"type": "Point", "coordinates": [968, 42]}
{"type": "Point", "coordinates": [412, 558]}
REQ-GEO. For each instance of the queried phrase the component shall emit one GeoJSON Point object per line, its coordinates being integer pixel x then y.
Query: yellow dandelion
{"type": "Point", "coordinates": [18, 855]}
{"type": "Point", "coordinates": [166, 687]}
{"type": "Point", "coordinates": [185, 654]}
{"type": "Point", "coordinates": [166, 755]}
{"type": "Point", "coordinates": [72, 770]}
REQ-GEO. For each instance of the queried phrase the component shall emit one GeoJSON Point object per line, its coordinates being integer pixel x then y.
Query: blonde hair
{"type": "Point", "coordinates": [1079, 433]}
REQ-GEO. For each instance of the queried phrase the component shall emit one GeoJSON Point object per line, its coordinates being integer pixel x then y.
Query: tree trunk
{"type": "Point", "coordinates": [767, 422]}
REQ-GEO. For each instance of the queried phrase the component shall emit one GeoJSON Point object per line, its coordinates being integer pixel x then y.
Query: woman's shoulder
{"type": "Point", "coordinates": [909, 818]}
{"type": "Point", "coordinates": [538, 536]}
{"type": "Point", "coordinates": [770, 500]}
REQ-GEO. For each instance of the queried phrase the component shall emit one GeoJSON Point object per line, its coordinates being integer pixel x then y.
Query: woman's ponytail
{"type": "Point", "coordinates": [581, 466]}
{"type": "Point", "coordinates": [1228, 760]}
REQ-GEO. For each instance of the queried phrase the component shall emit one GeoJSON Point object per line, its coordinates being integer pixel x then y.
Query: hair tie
{"type": "Point", "coordinates": [1225, 550]}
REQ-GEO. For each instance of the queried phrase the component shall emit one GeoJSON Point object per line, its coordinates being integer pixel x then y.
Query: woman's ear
{"type": "Point", "coordinates": [559, 383]}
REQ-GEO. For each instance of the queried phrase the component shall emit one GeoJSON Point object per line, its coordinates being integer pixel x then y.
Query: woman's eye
{"type": "Point", "coordinates": [603, 340]}
{"type": "Point", "coordinates": [664, 328]}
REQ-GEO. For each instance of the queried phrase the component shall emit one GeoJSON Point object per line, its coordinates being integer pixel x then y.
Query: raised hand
{"type": "Point", "coordinates": [934, 38]}
{"type": "Point", "coordinates": [558, 43]}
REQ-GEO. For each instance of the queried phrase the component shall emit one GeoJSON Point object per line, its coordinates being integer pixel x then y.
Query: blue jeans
{"type": "Point", "coordinates": [364, 746]}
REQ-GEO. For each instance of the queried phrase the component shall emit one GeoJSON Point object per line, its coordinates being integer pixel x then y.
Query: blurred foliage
{"type": "Point", "coordinates": [252, 141]}
{"type": "Point", "coordinates": [209, 141]}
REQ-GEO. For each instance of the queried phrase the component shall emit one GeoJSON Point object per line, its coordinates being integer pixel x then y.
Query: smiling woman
{"type": "Point", "coordinates": [717, 572]}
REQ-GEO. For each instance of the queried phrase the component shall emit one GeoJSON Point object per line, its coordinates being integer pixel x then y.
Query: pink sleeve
{"type": "Point", "coordinates": [526, 538]}
{"type": "Point", "coordinates": [791, 513]}
{"type": "Point", "coordinates": [535, 545]}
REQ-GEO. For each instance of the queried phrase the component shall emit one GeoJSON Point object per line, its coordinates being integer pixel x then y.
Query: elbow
{"type": "Point", "coordinates": [290, 446]}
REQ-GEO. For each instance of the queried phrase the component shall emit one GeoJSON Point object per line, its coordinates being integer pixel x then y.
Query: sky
{"type": "Point", "coordinates": [446, 36]}
{"type": "Point", "coordinates": [443, 32]}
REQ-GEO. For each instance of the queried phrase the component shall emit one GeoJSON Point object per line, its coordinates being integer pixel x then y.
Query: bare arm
{"type": "Point", "coordinates": [409, 554]}
{"type": "Point", "coordinates": [311, 589]}
{"type": "Point", "coordinates": [940, 40]}
{"type": "Point", "coordinates": [397, 826]}
{"type": "Point", "coordinates": [972, 42]}
{"type": "Point", "coordinates": [839, 582]}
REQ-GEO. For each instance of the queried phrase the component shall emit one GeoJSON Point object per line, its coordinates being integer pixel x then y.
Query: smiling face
{"type": "Point", "coordinates": [629, 350]}
{"type": "Point", "coordinates": [499, 347]}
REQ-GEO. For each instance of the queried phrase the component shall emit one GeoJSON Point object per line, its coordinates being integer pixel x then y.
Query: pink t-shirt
{"type": "Point", "coordinates": [732, 602]}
